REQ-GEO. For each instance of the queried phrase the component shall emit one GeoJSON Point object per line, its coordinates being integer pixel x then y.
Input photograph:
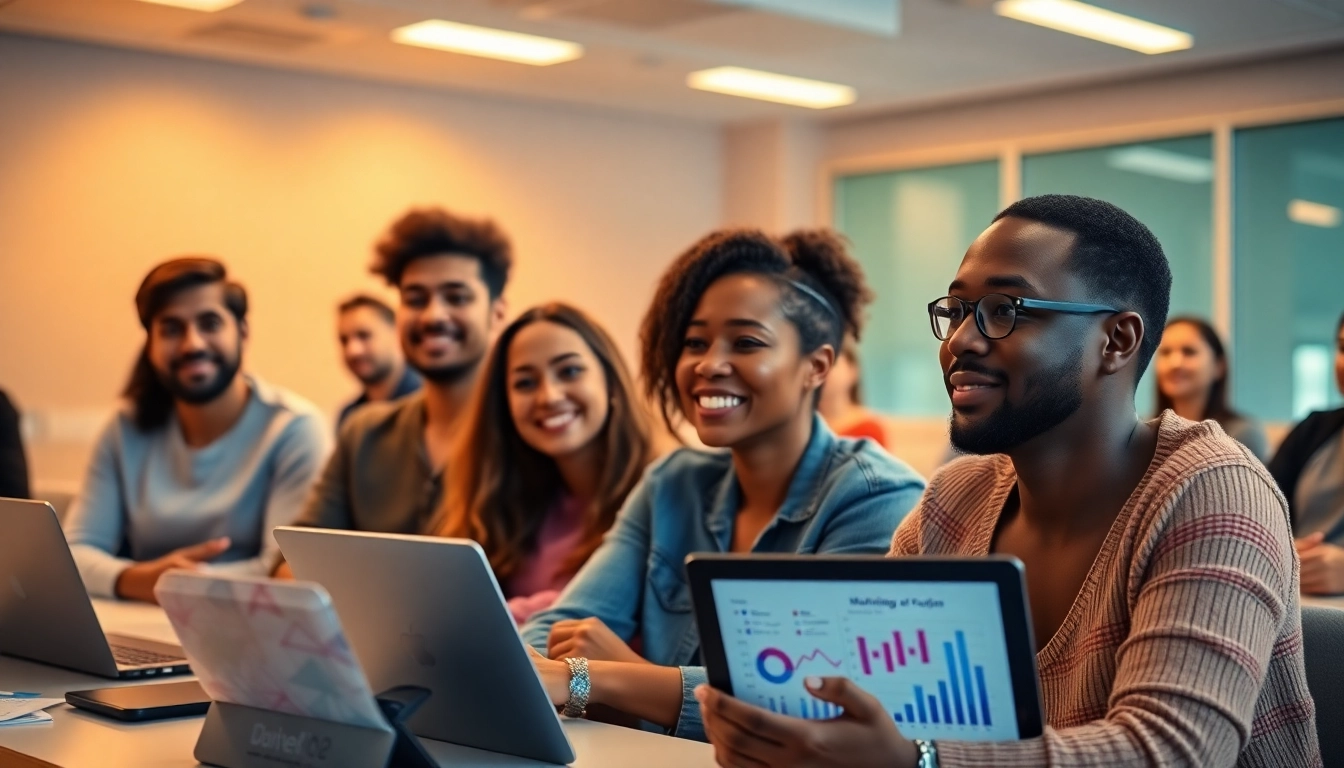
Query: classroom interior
{"type": "Point", "coordinates": [283, 136]}
{"type": "Point", "coordinates": [134, 133]}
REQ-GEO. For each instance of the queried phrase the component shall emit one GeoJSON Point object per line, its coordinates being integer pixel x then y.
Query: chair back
{"type": "Point", "coordinates": [1323, 650]}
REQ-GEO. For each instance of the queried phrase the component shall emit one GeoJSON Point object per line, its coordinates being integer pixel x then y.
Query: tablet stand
{"type": "Point", "coordinates": [237, 736]}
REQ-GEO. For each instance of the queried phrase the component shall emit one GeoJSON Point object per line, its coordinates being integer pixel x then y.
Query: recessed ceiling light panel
{"type": "Point", "coordinates": [1314, 214]}
{"type": "Point", "coordinates": [768, 86]}
{"type": "Point", "coordinates": [488, 43]}
{"type": "Point", "coordinates": [1097, 24]}
{"type": "Point", "coordinates": [197, 5]}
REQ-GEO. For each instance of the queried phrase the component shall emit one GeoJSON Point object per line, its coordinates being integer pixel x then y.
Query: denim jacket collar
{"type": "Point", "coordinates": [803, 488]}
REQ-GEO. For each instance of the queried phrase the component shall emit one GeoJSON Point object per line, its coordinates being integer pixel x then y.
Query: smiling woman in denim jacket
{"type": "Point", "coordinates": [740, 337]}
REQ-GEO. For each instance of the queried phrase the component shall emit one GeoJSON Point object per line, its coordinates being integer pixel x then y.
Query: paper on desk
{"type": "Point", "coordinates": [13, 708]}
{"type": "Point", "coordinates": [28, 719]}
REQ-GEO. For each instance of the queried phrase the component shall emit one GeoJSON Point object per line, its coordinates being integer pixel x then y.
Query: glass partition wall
{"type": "Point", "coordinates": [1279, 270]}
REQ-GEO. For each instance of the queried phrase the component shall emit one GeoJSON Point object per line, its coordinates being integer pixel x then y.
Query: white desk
{"type": "Point", "coordinates": [76, 739]}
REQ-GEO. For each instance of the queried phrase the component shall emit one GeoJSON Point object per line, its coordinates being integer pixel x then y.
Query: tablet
{"type": "Point", "coordinates": [428, 611]}
{"type": "Point", "coordinates": [944, 643]}
{"type": "Point", "coordinates": [269, 644]}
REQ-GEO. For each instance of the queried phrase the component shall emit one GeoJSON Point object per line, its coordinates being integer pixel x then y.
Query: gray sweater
{"type": "Point", "coordinates": [147, 494]}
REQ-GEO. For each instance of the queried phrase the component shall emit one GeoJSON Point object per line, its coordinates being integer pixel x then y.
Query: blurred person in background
{"type": "Point", "coordinates": [1192, 374]}
{"type": "Point", "coordinates": [367, 329]}
{"type": "Point", "coordinates": [13, 462]}
{"type": "Point", "coordinates": [555, 440]}
{"type": "Point", "coordinates": [1309, 467]}
{"type": "Point", "coordinates": [203, 460]}
{"type": "Point", "coordinates": [842, 400]}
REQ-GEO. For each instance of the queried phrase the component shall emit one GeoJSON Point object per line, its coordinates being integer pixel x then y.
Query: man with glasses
{"type": "Point", "coordinates": [1159, 559]}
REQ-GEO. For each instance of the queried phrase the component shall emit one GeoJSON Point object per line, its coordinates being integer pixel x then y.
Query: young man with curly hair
{"type": "Point", "coordinates": [386, 473]}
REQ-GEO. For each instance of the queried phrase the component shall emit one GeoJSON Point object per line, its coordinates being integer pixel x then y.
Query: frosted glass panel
{"type": "Point", "coordinates": [1168, 185]}
{"type": "Point", "coordinates": [1288, 266]}
{"type": "Point", "coordinates": [910, 230]}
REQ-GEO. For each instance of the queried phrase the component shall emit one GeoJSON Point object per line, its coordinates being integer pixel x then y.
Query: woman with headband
{"type": "Point", "coordinates": [739, 340]}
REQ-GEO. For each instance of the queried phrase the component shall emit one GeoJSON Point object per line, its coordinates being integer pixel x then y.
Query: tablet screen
{"type": "Point", "coordinates": [934, 653]}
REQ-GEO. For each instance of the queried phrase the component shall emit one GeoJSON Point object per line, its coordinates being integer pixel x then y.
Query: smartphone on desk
{"type": "Point", "coordinates": [138, 703]}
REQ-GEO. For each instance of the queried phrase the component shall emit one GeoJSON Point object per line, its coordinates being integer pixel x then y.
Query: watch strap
{"type": "Point", "coordinates": [580, 686]}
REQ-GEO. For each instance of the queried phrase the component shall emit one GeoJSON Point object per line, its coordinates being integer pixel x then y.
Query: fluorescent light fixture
{"type": "Point", "coordinates": [1315, 214]}
{"type": "Point", "coordinates": [1173, 166]}
{"type": "Point", "coordinates": [487, 42]}
{"type": "Point", "coordinates": [1097, 24]}
{"type": "Point", "coordinates": [197, 5]}
{"type": "Point", "coordinates": [767, 86]}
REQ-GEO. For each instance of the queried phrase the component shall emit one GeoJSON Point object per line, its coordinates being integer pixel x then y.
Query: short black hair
{"type": "Point", "coordinates": [1116, 256]}
{"type": "Point", "coordinates": [422, 232]}
{"type": "Point", "coordinates": [369, 302]}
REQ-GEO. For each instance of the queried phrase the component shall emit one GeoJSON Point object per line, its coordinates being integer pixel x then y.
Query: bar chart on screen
{"type": "Point", "coordinates": [939, 664]}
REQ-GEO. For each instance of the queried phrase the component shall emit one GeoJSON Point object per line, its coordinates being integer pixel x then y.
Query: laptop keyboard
{"type": "Point", "coordinates": [137, 657]}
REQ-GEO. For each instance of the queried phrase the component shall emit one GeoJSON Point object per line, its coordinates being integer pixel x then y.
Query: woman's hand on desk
{"type": "Point", "coordinates": [746, 736]}
{"type": "Point", "coordinates": [589, 639]}
{"type": "Point", "coordinates": [1322, 566]}
{"type": "Point", "coordinates": [137, 581]}
{"type": "Point", "coordinates": [644, 691]}
{"type": "Point", "coordinates": [554, 676]}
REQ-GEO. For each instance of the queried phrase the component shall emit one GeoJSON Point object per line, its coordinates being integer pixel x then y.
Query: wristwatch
{"type": "Point", "coordinates": [928, 754]}
{"type": "Point", "coordinates": [579, 688]}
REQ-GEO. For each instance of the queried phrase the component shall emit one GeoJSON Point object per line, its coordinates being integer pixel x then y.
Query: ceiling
{"type": "Point", "coordinates": [638, 52]}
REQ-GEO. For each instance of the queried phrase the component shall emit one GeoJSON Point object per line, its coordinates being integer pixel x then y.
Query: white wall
{"type": "Point", "coordinates": [112, 160]}
{"type": "Point", "coordinates": [770, 175]}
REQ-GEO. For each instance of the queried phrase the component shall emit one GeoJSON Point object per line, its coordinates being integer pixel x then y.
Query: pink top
{"type": "Point", "coordinates": [537, 583]}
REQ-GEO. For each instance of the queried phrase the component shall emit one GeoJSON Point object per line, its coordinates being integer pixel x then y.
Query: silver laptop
{"type": "Point", "coordinates": [428, 612]}
{"type": "Point", "coordinates": [45, 613]}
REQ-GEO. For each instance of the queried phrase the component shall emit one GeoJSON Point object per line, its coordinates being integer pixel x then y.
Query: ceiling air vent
{"type": "Point", "coordinates": [636, 14]}
{"type": "Point", "coordinates": [241, 35]}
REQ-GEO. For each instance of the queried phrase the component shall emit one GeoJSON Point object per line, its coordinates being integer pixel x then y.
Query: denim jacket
{"type": "Point", "coordinates": [846, 497]}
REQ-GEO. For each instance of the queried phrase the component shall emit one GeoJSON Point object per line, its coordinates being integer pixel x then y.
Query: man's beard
{"type": "Point", "coordinates": [448, 373]}
{"type": "Point", "coordinates": [453, 372]}
{"type": "Point", "coordinates": [379, 374]}
{"type": "Point", "coordinates": [1053, 395]}
{"type": "Point", "coordinates": [200, 394]}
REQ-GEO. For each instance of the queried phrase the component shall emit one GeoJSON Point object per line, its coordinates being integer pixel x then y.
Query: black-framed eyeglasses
{"type": "Point", "coordinates": [996, 313]}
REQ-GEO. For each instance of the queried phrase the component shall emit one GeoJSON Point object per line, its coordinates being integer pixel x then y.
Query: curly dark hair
{"type": "Point", "coordinates": [424, 232]}
{"type": "Point", "coordinates": [822, 292]}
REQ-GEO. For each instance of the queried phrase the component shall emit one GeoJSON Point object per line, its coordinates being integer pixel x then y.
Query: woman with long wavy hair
{"type": "Point", "coordinates": [555, 441]}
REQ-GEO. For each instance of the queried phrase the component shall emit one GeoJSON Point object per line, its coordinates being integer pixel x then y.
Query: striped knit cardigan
{"type": "Point", "coordinates": [1184, 645]}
